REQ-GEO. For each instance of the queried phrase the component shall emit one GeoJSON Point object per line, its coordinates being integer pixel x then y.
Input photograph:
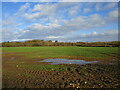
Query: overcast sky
{"type": "Point", "coordinates": [62, 21]}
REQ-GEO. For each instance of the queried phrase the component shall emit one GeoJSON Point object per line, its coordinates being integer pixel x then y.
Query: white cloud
{"type": "Point", "coordinates": [86, 10]}
{"type": "Point", "coordinates": [74, 25]}
{"type": "Point", "coordinates": [90, 0]}
{"type": "Point", "coordinates": [8, 34]}
{"type": "Point", "coordinates": [73, 10]}
{"type": "Point", "coordinates": [108, 6]}
{"type": "Point", "coordinates": [37, 27]}
{"type": "Point", "coordinates": [49, 21]}
{"type": "Point", "coordinates": [24, 7]}
{"type": "Point", "coordinates": [45, 10]}
{"type": "Point", "coordinates": [53, 21]}
{"type": "Point", "coordinates": [59, 1]}
{"type": "Point", "coordinates": [84, 22]}
{"type": "Point", "coordinates": [38, 7]}
{"type": "Point", "coordinates": [49, 10]}
{"type": "Point", "coordinates": [12, 0]}
{"type": "Point", "coordinates": [40, 27]}
{"type": "Point", "coordinates": [31, 16]}
{"type": "Point", "coordinates": [112, 16]}
{"type": "Point", "coordinates": [20, 39]}
{"type": "Point", "coordinates": [10, 28]}
{"type": "Point", "coordinates": [8, 22]}
{"type": "Point", "coordinates": [40, 11]}
{"type": "Point", "coordinates": [94, 33]}
{"type": "Point", "coordinates": [53, 37]}
{"type": "Point", "coordinates": [22, 31]}
{"type": "Point", "coordinates": [109, 35]}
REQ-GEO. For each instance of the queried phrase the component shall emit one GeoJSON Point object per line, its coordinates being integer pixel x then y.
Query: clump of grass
{"type": "Point", "coordinates": [45, 67]}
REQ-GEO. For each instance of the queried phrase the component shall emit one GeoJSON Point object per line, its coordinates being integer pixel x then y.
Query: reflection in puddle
{"type": "Point", "coordinates": [113, 63]}
{"type": "Point", "coordinates": [12, 58]}
{"type": "Point", "coordinates": [67, 61]}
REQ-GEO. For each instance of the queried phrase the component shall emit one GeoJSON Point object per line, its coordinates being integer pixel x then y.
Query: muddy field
{"type": "Point", "coordinates": [21, 71]}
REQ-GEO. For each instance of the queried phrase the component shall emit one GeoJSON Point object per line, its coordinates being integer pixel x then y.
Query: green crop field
{"type": "Point", "coordinates": [21, 67]}
{"type": "Point", "coordinates": [52, 52]}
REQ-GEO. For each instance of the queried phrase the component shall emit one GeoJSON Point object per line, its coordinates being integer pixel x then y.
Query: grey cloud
{"type": "Point", "coordinates": [108, 6]}
{"type": "Point", "coordinates": [110, 35]}
{"type": "Point", "coordinates": [112, 16]}
{"type": "Point", "coordinates": [8, 34]}
{"type": "Point", "coordinates": [76, 24]}
{"type": "Point", "coordinates": [54, 29]}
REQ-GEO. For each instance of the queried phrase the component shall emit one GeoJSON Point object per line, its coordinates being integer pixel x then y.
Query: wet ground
{"type": "Point", "coordinates": [25, 73]}
{"type": "Point", "coordinates": [76, 76]}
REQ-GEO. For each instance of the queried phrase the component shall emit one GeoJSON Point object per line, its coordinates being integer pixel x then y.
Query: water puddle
{"type": "Point", "coordinates": [113, 63]}
{"type": "Point", "coordinates": [67, 61]}
{"type": "Point", "coordinates": [12, 58]}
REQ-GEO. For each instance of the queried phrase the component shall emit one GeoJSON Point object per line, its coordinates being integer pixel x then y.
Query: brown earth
{"type": "Point", "coordinates": [100, 75]}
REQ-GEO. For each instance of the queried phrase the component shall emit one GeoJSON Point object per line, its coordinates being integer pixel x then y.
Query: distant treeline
{"type": "Point", "coordinates": [32, 43]}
